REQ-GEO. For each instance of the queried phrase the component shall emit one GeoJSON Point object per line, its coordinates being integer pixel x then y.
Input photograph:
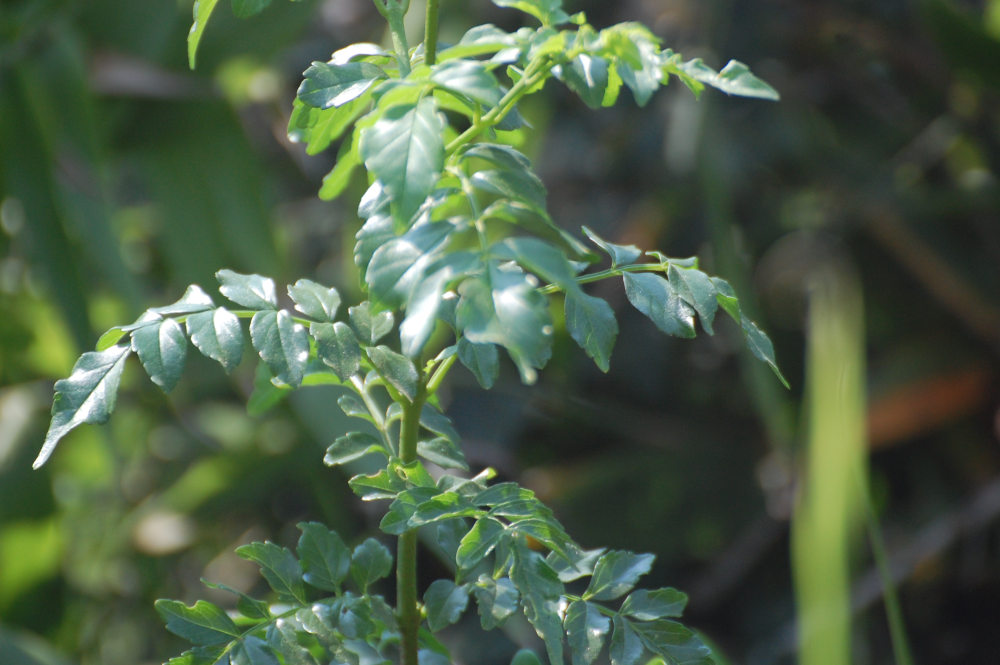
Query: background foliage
{"type": "Point", "coordinates": [124, 177]}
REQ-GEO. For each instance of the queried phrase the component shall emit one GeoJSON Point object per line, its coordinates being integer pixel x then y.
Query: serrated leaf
{"type": "Point", "coordinates": [370, 326]}
{"type": "Point", "coordinates": [620, 254]}
{"type": "Point", "coordinates": [278, 566]}
{"type": "Point", "coordinates": [404, 149]}
{"type": "Point", "coordinates": [482, 360]}
{"type": "Point", "coordinates": [248, 8]}
{"type": "Point", "coordinates": [337, 347]}
{"type": "Point", "coordinates": [203, 623]}
{"type": "Point", "coordinates": [370, 562]}
{"type": "Point", "coordinates": [647, 605]}
{"type": "Point", "coordinates": [673, 642]}
{"type": "Point", "coordinates": [248, 606]}
{"type": "Point", "coordinates": [442, 452]}
{"type": "Point", "coordinates": [282, 343]}
{"type": "Point", "coordinates": [696, 289]}
{"type": "Point", "coordinates": [503, 307]}
{"type": "Point", "coordinates": [251, 291]}
{"type": "Point", "coordinates": [354, 408]}
{"type": "Point", "coordinates": [218, 335]}
{"type": "Point", "coordinates": [351, 447]}
{"type": "Point", "coordinates": [193, 300]}
{"type": "Point", "coordinates": [88, 395]}
{"type": "Point", "coordinates": [162, 348]}
{"type": "Point", "coordinates": [586, 629]}
{"type": "Point", "coordinates": [626, 648]}
{"type": "Point", "coordinates": [657, 299]}
{"type": "Point", "coordinates": [587, 76]}
{"type": "Point", "coordinates": [315, 300]}
{"type": "Point", "coordinates": [398, 519]}
{"type": "Point", "coordinates": [616, 573]}
{"type": "Point", "coordinates": [326, 85]}
{"type": "Point", "coordinates": [484, 535]}
{"type": "Point", "coordinates": [396, 368]}
{"type": "Point", "coordinates": [592, 324]}
{"type": "Point", "coordinates": [497, 600]}
{"type": "Point", "coordinates": [444, 603]}
{"type": "Point", "coordinates": [202, 11]}
{"type": "Point", "coordinates": [325, 559]}
{"type": "Point", "coordinates": [760, 346]}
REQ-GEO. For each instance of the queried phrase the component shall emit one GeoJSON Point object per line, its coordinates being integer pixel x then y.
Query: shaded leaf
{"type": "Point", "coordinates": [620, 254]}
{"type": "Point", "coordinates": [248, 8]}
{"type": "Point", "coordinates": [497, 600]}
{"type": "Point", "coordinates": [442, 452]}
{"type": "Point", "coordinates": [760, 346]}
{"type": "Point", "coordinates": [252, 650]}
{"type": "Point", "coordinates": [734, 79]}
{"type": "Point", "coordinates": [470, 78]}
{"type": "Point", "coordinates": [591, 323]}
{"type": "Point", "coordinates": [218, 335]}
{"type": "Point", "coordinates": [193, 300]}
{"type": "Point", "coordinates": [479, 542]}
{"type": "Point", "coordinates": [444, 603]}
{"type": "Point", "coordinates": [482, 360]}
{"type": "Point", "coordinates": [282, 343]}
{"type": "Point", "coordinates": [203, 623]}
{"type": "Point", "coordinates": [549, 12]}
{"type": "Point", "coordinates": [162, 348]}
{"type": "Point", "coordinates": [540, 591]}
{"type": "Point", "coordinates": [626, 648]}
{"type": "Point", "coordinates": [248, 607]}
{"type": "Point", "coordinates": [587, 76]}
{"type": "Point", "coordinates": [673, 641]}
{"type": "Point", "coordinates": [88, 395]}
{"type": "Point", "coordinates": [202, 12]}
{"type": "Point", "coordinates": [325, 558]}
{"type": "Point", "coordinates": [251, 291]}
{"type": "Point", "coordinates": [370, 562]}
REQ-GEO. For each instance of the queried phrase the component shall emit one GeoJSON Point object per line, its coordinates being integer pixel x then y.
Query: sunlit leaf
{"type": "Point", "coordinates": [586, 630]}
{"type": "Point", "coordinates": [202, 12]}
{"type": "Point", "coordinates": [203, 623]}
{"type": "Point", "coordinates": [657, 299]}
{"type": "Point", "coordinates": [327, 85]}
{"type": "Point", "coordinates": [396, 368]}
{"type": "Point", "coordinates": [315, 300]}
{"type": "Point", "coordinates": [162, 348]}
{"type": "Point", "coordinates": [696, 289]}
{"type": "Point", "coordinates": [218, 335]}
{"type": "Point", "coordinates": [479, 541]}
{"type": "Point", "coordinates": [251, 291]}
{"type": "Point", "coordinates": [616, 573]}
{"type": "Point", "coordinates": [282, 343]}
{"type": "Point", "coordinates": [337, 347]}
{"type": "Point", "coordinates": [352, 446]}
{"type": "Point", "coordinates": [370, 326]}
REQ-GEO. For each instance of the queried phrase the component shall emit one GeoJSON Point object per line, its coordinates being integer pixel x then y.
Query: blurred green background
{"type": "Point", "coordinates": [124, 177]}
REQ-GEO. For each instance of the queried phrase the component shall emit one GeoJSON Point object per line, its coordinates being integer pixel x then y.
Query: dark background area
{"type": "Point", "coordinates": [124, 177]}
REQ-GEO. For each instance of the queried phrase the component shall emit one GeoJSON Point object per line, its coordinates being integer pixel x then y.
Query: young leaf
{"type": "Point", "coordinates": [648, 605]}
{"type": "Point", "coordinates": [626, 648]}
{"type": "Point", "coordinates": [162, 348]}
{"type": "Point", "coordinates": [278, 566]}
{"type": "Point", "coordinates": [761, 347]}
{"type": "Point", "coordinates": [479, 542]}
{"type": "Point", "coordinates": [444, 603]}
{"type": "Point", "coordinates": [591, 323]}
{"type": "Point", "coordinates": [202, 12]}
{"type": "Point", "coordinates": [586, 629]}
{"type": "Point", "coordinates": [282, 343]}
{"type": "Point", "coordinates": [616, 573]}
{"type": "Point", "coordinates": [370, 562]}
{"type": "Point", "coordinates": [482, 360]}
{"type": "Point", "coordinates": [337, 347]}
{"type": "Point", "coordinates": [352, 446]}
{"type": "Point", "coordinates": [370, 326]}
{"type": "Point", "coordinates": [397, 369]}
{"type": "Point", "coordinates": [657, 299]}
{"type": "Point", "coordinates": [620, 254]}
{"type": "Point", "coordinates": [497, 599]}
{"type": "Point", "coordinates": [325, 559]}
{"type": "Point", "coordinates": [87, 396]}
{"type": "Point", "coordinates": [696, 289]}
{"type": "Point", "coordinates": [251, 291]}
{"type": "Point", "coordinates": [218, 335]}
{"type": "Point", "coordinates": [315, 300]}
{"type": "Point", "coordinates": [203, 623]}
{"type": "Point", "coordinates": [404, 149]}
{"type": "Point", "coordinates": [327, 85]}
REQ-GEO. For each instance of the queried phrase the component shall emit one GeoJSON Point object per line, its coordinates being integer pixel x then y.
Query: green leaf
{"type": "Point", "coordinates": [397, 369]}
{"type": "Point", "coordinates": [540, 591]}
{"type": "Point", "coordinates": [526, 657]}
{"type": "Point", "coordinates": [336, 181]}
{"type": "Point", "coordinates": [397, 267]}
{"type": "Point", "coordinates": [484, 535]}
{"type": "Point", "coordinates": [734, 79]}
{"type": "Point", "coordinates": [162, 348]}
{"type": "Point", "coordinates": [672, 641]}
{"type": "Point", "coordinates": [648, 605]}
{"type": "Point", "coordinates": [370, 326]}
{"type": "Point", "coordinates": [278, 566]}
{"type": "Point", "coordinates": [482, 360]}
{"type": "Point", "coordinates": [203, 623]}
{"type": "Point", "coordinates": [641, 65]}
{"type": "Point", "coordinates": [251, 291]}
{"type": "Point", "coordinates": [337, 347]}
{"type": "Point", "coordinates": [87, 396]}
{"type": "Point", "coordinates": [404, 149]}
{"type": "Point", "coordinates": [353, 446]}
{"type": "Point", "coordinates": [315, 300]}
{"type": "Point", "coordinates": [282, 343]}
{"type": "Point", "coordinates": [470, 78]}
{"type": "Point", "coordinates": [199, 656]}
{"type": "Point", "coordinates": [248, 607]}
{"type": "Point", "coordinates": [497, 599]}
{"type": "Point", "coordinates": [591, 323]}
{"type": "Point", "coordinates": [380, 485]}
{"type": "Point", "coordinates": [282, 638]}
{"type": "Point", "coordinates": [370, 562]}
{"type": "Point", "coordinates": [326, 85]}
{"type": "Point", "coordinates": [587, 76]}
{"type": "Point", "coordinates": [696, 289]}
{"type": "Point", "coordinates": [193, 300]}
{"type": "Point", "coordinates": [726, 297]}
{"type": "Point", "coordinates": [218, 335]}
{"type": "Point", "coordinates": [586, 629]}
{"type": "Point", "coordinates": [318, 128]}
{"type": "Point", "coordinates": [248, 8]}
{"type": "Point", "coordinates": [502, 306]}
{"type": "Point", "coordinates": [657, 299]}
{"type": "Point", "coordinates": [542, 258]}
{"type": "Point", "coordinates": [626, 648]}
{"type": "Point", "coordinates": [442, 452]}
{"type": "Point", "coordinates": [549, 12]}
{"type": "Point", "coordinates": [398, 519]}
{"type": "Point", "coordinates": [478, 40]}
{"type": "Point", "coordinates": [444, 603]}
{"type": "Point", "coordinates": [517, 185]}
{"type": "Point", "coordinates": [434, 421]}
{"type": "Point", "coordinates": [760, 346]}
{"type": "Point", "coordinates": [620, 254]}
{"type": "Point", "coordinates": [252, 650]}
{"type": "Point", "coordinates": [325, 559]}
{"type": "Point", "coordinates": [422, 312]}
{"type": "Point", "coordinates": [202, 12]}
{"type": "Point", "coordinates": [616, 573]}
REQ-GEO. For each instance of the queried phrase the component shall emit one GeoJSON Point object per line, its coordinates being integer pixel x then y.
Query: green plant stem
{"type": "Point", "coordinates": [605, 274]}
{"type": "Point", "coordinates": [431, 32]}
{"type": "Point", "coordinates": [395, 16]}
{"type": "Point", "coordinates": [406, 555]}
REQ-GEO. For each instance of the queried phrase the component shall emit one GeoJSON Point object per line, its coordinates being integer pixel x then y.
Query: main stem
{"type": "Point", "coordinates": [406, 555]}
{"type": "Point", "coordinates": [431, 32]}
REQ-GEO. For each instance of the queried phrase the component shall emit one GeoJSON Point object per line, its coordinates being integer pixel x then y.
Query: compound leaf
{"type": "Point", "coordinates": [88, 395]}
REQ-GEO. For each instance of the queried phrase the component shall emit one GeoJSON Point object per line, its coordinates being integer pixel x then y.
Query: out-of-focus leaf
{"type": "Point", "coordinates": [734, 79]}
{"type": "Point", "coordinates": [370, 326]}
{"type": "Point", "coordinates": [326, 85]}
{"type": "Point", "coordinates": [248, 8]}
{"type": "Point", "coordinates": [482, 360]}
{"type": "Point", "coordinates": [370, 562]}
{"type": "Point", "coordinates": [202, 12]}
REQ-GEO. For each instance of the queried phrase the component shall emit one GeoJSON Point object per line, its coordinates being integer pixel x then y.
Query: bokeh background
{"type": "Point", "coordinates": [124, 177]}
